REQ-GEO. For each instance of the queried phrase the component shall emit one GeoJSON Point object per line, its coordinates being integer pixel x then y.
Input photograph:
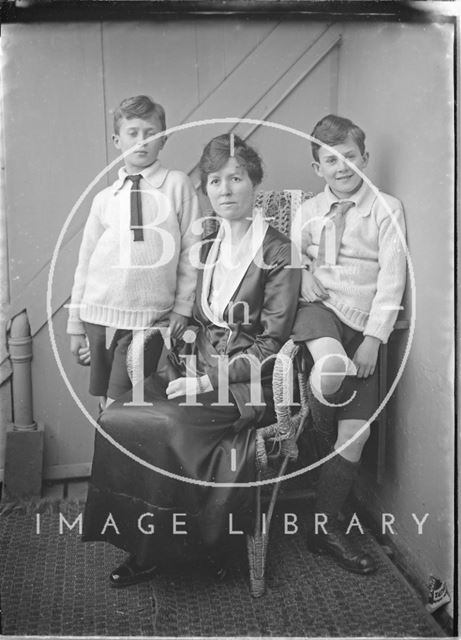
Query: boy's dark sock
{"type": "Point", "coordinates": [335, 482]}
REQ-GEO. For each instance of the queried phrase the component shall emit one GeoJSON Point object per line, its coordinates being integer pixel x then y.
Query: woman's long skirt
{"type": "Point", "coordinates": [164, 518]}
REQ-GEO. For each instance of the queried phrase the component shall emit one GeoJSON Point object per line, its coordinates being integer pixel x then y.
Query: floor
{"type": "Point", "coordinates": [52, 584]}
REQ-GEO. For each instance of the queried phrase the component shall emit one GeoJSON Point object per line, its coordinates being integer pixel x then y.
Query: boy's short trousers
{"type": "Point", "coordinates": [315, 320]}
{"type": "Point", "coordinates": [108, 371]}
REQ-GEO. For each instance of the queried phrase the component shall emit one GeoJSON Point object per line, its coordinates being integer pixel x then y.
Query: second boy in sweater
{"type": "Point", "coordinates": [352, 287]}
{"type": "Point", "coordinates": [133, 270]}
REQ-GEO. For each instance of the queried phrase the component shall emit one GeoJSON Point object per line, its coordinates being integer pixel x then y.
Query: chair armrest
{"type": "Point", "coordinates": [286, 430]}
{"type": "Point", "coordinates": [282, 386]}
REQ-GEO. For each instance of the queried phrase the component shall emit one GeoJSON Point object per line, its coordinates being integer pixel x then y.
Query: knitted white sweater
{"type": "Point", "coordinates": [366, 285]}
{"type": "Point", "coordinates": [131, 285]}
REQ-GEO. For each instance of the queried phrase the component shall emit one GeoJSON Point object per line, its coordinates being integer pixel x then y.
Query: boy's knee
{"type": "Point", "coordinates": [328, 376]}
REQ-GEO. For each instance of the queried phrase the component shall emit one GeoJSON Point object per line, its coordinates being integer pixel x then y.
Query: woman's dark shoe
{"type": "Point", "coordinates": [130, 573]}
{"type": "Point", "coordinates": [339, 546]}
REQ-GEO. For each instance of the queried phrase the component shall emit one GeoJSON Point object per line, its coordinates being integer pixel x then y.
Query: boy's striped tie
{"type": "Point", "coordinates": [331, 241]}
{"type": "Point", "coordinates": [136, 208]}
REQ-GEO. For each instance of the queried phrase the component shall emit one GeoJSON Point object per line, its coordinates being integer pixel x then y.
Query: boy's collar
{"type": "Point", "coordinates": [363, 199]}
{"type": "Point", "coordinates": [155, 175]}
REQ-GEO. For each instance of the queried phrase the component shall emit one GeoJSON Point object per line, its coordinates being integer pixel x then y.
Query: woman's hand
{"type": "Point", "coordinates": [80, 349]}
{"type": "Point", "coordinates": [177, 388]}
{"type": "Point", "coordinates": [366, 356]}
{"type": "Point", "coordinates": [192, 386]}
{"type": "Point", "coordinates": [178, 324]}
{"type": "Point", "coordinates": [311, 288]}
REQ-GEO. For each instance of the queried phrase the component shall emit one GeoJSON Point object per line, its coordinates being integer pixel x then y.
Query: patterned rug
{"type": "Point", "coordinates": [52, 584]}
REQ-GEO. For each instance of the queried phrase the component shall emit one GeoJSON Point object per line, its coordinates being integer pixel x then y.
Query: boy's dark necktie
{"type": "Point", "coordinates": [136, 208]}
{"type": "Point", "coordinates": [337, 215]}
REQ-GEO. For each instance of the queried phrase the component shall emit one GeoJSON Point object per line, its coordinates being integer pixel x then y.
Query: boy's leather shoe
{"type": "Point", "coordinates": [129, 573]}
{"type": "Point", "coordinates": [340, 547]}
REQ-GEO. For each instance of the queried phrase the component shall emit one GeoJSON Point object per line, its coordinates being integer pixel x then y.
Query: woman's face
{"type": "Point", "coordinates": [231, 191]}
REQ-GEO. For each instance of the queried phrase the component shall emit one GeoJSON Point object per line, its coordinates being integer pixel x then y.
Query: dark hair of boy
{"type": "Point", "coordinates": [139, 107]}
{"type": "Point", "coordinates": [333, 130]}
{"type": "Point", "coordinates": [217, 153]}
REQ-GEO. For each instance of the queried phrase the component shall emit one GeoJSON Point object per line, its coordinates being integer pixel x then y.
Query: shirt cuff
{"type": "Point", "coordinates": [205, 384]}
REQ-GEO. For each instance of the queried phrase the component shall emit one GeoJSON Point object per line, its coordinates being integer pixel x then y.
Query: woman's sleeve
{"type": "Point", "coordinates": [281, 291]}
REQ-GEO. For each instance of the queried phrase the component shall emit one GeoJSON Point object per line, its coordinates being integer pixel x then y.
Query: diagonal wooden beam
{"type": "Point", "coordinates": [280, 91]}
{"type": "Point", "coordinates": [284, 86]}
{"type": "Point", "coordinates": [238, 94]}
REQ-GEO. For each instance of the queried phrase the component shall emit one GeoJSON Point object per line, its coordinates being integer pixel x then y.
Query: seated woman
{"type": "Point", "coordinates": [196, 438]}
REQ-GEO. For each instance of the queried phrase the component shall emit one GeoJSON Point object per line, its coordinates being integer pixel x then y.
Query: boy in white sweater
{"type": "Point", "coordinates": [134, 270]}
{"type": "Point", "coordinates": [352, 288]}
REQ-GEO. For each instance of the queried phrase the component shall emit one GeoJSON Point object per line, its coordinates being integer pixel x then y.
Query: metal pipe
{"type": "Point", "coordinates": [20, 347]}
{"type": "Point", "coordinates": [5, 365]}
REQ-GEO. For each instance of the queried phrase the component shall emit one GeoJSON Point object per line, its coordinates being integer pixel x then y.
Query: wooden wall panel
{"type": "Point", "coordinates": [68, 434]}
{"type": "Point", "coordinates": [55, 143]}
{"type": "Point", "coordinates": [306, 92]}
{"type": "Point", "coordinates": [288, 157]}
{"type": "Point", "coordinates": [404, 101]}
{"type": "Point", "coordinates": [197, 69]}
{"type": "Point", "coordinates": [222, 45]}
{"type": "Point", "coordinates": [54, 135]}
{"type": "Point", "coordinates": [179, 64]}
{"type": "Point", "coordinates": [245, 86]}
{"type": "Point", "coordinates": [153, 58]}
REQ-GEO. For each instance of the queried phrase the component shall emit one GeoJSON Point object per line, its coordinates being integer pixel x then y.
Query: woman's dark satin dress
{"type": "Point", "coordinates": [147, 512]}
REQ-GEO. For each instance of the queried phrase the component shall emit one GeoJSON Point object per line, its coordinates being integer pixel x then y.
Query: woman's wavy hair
{"type": "Point", "coordinates": [217, 153]}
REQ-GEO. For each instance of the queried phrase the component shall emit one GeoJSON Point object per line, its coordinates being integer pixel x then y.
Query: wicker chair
{"type": "Point", "coordinates": [281, 438]}
{"type": "Point", "coordinates": [276, 444]}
